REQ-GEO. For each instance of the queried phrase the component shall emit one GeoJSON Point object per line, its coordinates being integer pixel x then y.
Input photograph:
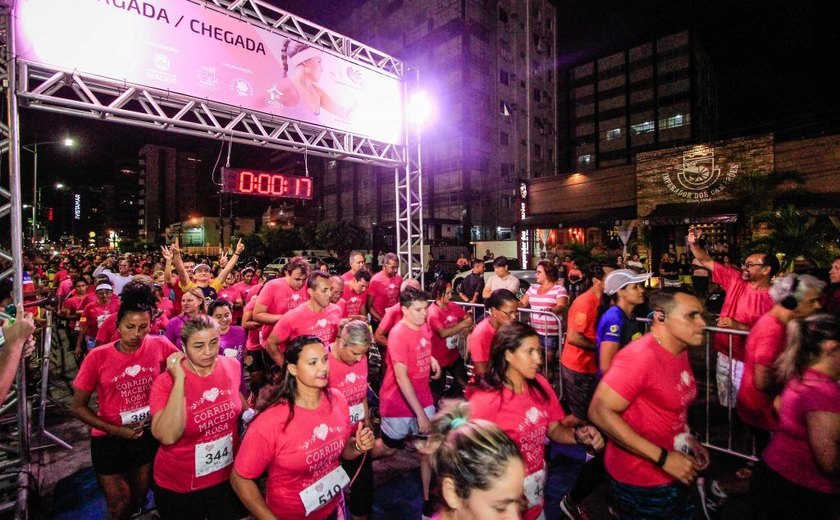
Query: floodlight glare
{"type": "Point", "coordinates": [69, 142]}
{"type": "Point", "coordinates": [59, 185]}
{"type": "Point", "coordinates": [419, 108]}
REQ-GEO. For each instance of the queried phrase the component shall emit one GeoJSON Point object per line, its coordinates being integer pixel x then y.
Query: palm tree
{"type": "Point", "coordinates": [794, 234]}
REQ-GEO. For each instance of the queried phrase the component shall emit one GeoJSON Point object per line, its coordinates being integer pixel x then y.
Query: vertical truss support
{"type": "Point", "coordinates": [10, 213]}
{"type": "Point", "coordinates": [409, 199]}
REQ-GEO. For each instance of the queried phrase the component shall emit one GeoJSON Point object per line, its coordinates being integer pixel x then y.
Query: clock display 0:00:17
{"type": "Point", "coordinates": [266, 184]}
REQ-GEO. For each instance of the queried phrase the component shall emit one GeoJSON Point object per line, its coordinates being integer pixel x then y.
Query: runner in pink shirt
{"type": "Point", "coordinates": [355, 294]}
{"type": "Point", "coordinates": [349, 375]}
{"type": "Point", "coordinates": [795, 297]}
{"type": "Point", "coordinates": [384, 289]}
{"type": "Point", "coordinates": [642, 405]}
{"type": "Point", "coordinates": [92, 317]}
{"type": "Point", "coordinates": [513, 395]}
{"type": "Point", "coordinates": [449, 325]}
{"type": "Point", "coordinates": [798, 475]}
{"type": "Point", "coordinates": [338, 292]}
{"type": "Point", "coordinates": [317, 317]}
{"type": "Point", "coordinates": [195, 408]}
{"type": "Point", "coordinates": [281, 295]}
{"type": "Point", "coordinates": [476, 468]}
{"type": "Point", "coordinates": [357, 263]}
{"type": "Point", "coordinates": [502, 305]}
{"type": "Point", "coordinates": [392, 316]}
{"type": "Point", "coordinates": [232, 338]}
{"type": "Point", "coordinates": [121, 374]}
{"type": "Point", "coordinates": [301, 431]}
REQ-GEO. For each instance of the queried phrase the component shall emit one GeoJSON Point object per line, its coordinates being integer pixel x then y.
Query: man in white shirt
{"type": "Point", "coordinates": [119, 279]}
{"type": "Point", "coordinates": [502, 279]}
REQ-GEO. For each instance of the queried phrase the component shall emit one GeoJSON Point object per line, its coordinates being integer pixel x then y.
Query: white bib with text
{"type": "Point", "coordinates": [321, 492]}
{"type": "Point", "coordinates": [213, 455]}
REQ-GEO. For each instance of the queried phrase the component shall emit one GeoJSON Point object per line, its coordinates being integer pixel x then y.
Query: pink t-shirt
{"type": "Point", "coordinates": [64, 289]}
{"type": "Point", "coordinates": [303, 321]}
{"type": "Point", "coordinates": [525, 418]}
{"type": "Point", "coordinates": [354, 300]}
{"type": "Point", "coordinates": [764, 345]}
{"type": "Point", "coordinates": [543, 324]}
{"type": "Point", "coordinates": [384, 291]}
{"type": "Point", "coordinates": [167, 307]}
{"type": "Point", "coordinates": [479, 341]}
{"type": "Point", "coordinates": [789, 452]}
{"type": "Point", "coordinates": [659, 386]}
{"type": "Point", "coordinates": [445, 350]}
{"type": "Point", "coordinates": [348, 275]}
{"type": "Point", "coordinates": [109, 332]}
{"type": "Point", "coordinates": [296, 455]}
{"type": "Point", "coordinates": [412, 348]}
{"type": "Point", "coordinates": [94, 315]}
{"type": "Point", "coordinates": [279, 298]}
{"type": "Point", "coordinates": [392, 316]}
{"type": "Point", "coordinates": [203, 456]}
{"type": "Point", "coordinates": [122, 381]}
{"type": "Point", "coordinates": [742, 303]}
{"type": "Point", "coordinates": [253, 341]}
{"type": "Point", "coordinates": [72, 305]}
{"type": "Point", "coordinates": [351, 381]}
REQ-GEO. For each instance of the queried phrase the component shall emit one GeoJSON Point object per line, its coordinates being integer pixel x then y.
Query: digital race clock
{"type": "Point", "coordinates": [265, 184]}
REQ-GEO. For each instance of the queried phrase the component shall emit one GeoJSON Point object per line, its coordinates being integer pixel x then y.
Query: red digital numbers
{"type": "Point", "coordinates": [248, 182]}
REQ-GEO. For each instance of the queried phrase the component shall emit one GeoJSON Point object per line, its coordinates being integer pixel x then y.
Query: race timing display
{"type": "Point", "coordinates": [266, 184]}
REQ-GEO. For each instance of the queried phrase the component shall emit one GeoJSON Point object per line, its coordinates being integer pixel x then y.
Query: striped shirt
{"type": "Point", "coordinates": [543, 324]}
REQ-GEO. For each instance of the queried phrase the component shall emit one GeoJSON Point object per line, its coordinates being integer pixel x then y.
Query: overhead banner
{"type": "Point", "coordinates": [198, 51]}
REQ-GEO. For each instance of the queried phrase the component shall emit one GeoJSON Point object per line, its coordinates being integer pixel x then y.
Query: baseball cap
{"type": "Point", "coordinates": [104, 287]}
{"type": "Point", "coordinates": [620, 278]}
{"type": "Point", "coordinates": [201, 266]}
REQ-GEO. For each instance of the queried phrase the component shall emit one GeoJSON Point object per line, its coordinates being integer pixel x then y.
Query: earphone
{"type": "Point", "coordinates": [790, 302]}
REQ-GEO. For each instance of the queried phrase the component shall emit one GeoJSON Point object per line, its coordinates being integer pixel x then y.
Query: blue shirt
{"type": "Point", "coordinates": [616, 327]}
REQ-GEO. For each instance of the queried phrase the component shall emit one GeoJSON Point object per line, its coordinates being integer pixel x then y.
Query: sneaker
{"type": "Point", "coordinates": [571, 511]}
{"type": "Point", "coordinates": [711, 497]}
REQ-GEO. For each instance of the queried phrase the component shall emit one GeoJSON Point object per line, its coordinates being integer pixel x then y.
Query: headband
{"type": "Point", "coordinates": [457, 423]}
{"type": "Point", "coordinates": [305, 54]}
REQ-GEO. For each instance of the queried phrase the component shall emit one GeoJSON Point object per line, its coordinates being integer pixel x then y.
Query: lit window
{"type": "Point", "coordinates": [675, 121]}
{"type": "Point", "coordinates": [613, 133]}
{"type": "Point", "coordinates": [642, 128]}
{"type": "Point", "coordinates": [584, 160]}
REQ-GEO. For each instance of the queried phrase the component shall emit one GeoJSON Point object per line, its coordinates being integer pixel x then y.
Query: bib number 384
{"type": "Point", "coordinates": [324, 490]}
{"type": "Point", "coordinates": [213, 456]}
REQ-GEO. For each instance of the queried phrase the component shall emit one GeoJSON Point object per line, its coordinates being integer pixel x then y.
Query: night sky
{"type": "Point", "coordinates": [776, 62]}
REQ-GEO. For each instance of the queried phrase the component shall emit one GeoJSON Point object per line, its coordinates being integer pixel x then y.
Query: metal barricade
{"type": "Point", "coordinates": [523, 315]}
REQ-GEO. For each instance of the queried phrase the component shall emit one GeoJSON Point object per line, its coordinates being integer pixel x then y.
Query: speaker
{"type": "Point", "coordinates": [790, 302]}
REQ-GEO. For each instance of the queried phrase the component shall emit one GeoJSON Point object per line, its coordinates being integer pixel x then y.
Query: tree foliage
{"type": "Point", "coordinates": [794, 234]}
{"type": "Point", "coordinates": [339, 238]}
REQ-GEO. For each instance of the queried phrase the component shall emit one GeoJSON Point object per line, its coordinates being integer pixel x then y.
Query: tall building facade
{"type": "Point", "coordinates": [490, 67]}
{"type": "Point", "coordinates": [169, 189]}
{"type": "Point", "coordinates": [656, 94]}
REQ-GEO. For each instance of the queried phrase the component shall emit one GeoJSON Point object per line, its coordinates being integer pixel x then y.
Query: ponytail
{"type": "Point", "coordinates": [804, 344]}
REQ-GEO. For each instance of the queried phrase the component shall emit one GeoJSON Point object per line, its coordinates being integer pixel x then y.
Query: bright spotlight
{"type": "Point", "coordinates": [419, 108]}
{"type": "Point", "coordinates": [69, 142]}
{"type": "Point", "coordinates": [59, 185]}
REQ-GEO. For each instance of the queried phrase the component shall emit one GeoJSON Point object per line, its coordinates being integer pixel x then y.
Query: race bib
{"type": "Point", "coordinates": [324, 490]}
{"type": "Point", "coordinates": [357, 413]}
{"type": "Point", "coordinates": [213, 456]}
{"type": "Point", "coordinates": [452, 342]}
{"type": "Point", "coordinates": [535, 488]}
{"type": "Point", "coordinates": [140, 415]}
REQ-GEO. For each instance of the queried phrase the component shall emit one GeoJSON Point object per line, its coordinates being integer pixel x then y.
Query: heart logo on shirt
{"type": "Point", "coordinates": [351, 377]}
{"type": "Point", "coordinates": [423, 342]}
{"type": "Point", "coordinates": [295, 297]}
{"type": "Point", "coordinates": [353, 299]}
{"type": "Point", "coordinates": [392, 286]}
{"type": "Point", "coordinates": [211, 395]}
{"type": "Point", "coordinates": [685, 377]}
{"type": "Point", "coordinates": [532, 415]}
{"type": "Point", "coordinates": [231, 352]}
{"type": "Point", "coordinates": [321, 323]}
{"type": "Point", "coordinates": [321, 431]}
{"type": "Point", "coordinates": [133, 370]}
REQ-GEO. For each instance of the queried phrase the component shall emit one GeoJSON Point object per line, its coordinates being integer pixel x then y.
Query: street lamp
{"type": "Point", "coordinates": [67, 142]}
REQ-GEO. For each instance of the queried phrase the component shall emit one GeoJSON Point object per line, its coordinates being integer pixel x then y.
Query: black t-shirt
{"type": "Point", "coordinates": [473, 283]}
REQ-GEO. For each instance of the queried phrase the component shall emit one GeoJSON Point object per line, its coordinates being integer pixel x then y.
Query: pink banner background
{"type": "Point", "coordinates": [188, 48]}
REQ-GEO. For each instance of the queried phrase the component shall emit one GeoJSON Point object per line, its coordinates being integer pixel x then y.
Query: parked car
{"type": "Point", "coordinates": [526, 278]}
{"type": "Point", "coordinates": [276, 265]}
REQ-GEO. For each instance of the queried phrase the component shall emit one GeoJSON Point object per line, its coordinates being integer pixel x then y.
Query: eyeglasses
{"type": "Point", "coordinates": [752, 264]}
{"type": "Point", "coordinates": [509, 314]}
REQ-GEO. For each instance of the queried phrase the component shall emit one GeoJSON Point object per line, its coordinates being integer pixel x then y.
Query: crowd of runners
{"type": "Point", "coordinates": [231, 392]}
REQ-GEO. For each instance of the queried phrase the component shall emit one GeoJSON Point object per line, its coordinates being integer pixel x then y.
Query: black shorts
{"type": "Point", "coordinates": [112, 455]}
{"type": "Point", "coordinates": [218, 502]}
{"type": "Point", "coordinates": [578, 389]}
{"type": "Point", "coordinates": [361, 491]}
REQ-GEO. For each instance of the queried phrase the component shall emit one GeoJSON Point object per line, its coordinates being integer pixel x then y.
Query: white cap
{"type": "Point", "coordinates": [104, 287]}
{"type": "Point", "coordinates": [620, 278]}
{"type": "Point", "coordinates": [201, 266]}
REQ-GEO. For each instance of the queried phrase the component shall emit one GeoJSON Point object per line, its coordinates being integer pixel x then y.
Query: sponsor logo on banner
{"type": "Point", "coordinates": [699, 177]}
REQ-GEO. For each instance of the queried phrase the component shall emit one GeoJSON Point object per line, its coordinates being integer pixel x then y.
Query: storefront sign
{"type": "Point", "coordinates": [524, 243]}
{"type": "Point", "coordinates": [699, 177]}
